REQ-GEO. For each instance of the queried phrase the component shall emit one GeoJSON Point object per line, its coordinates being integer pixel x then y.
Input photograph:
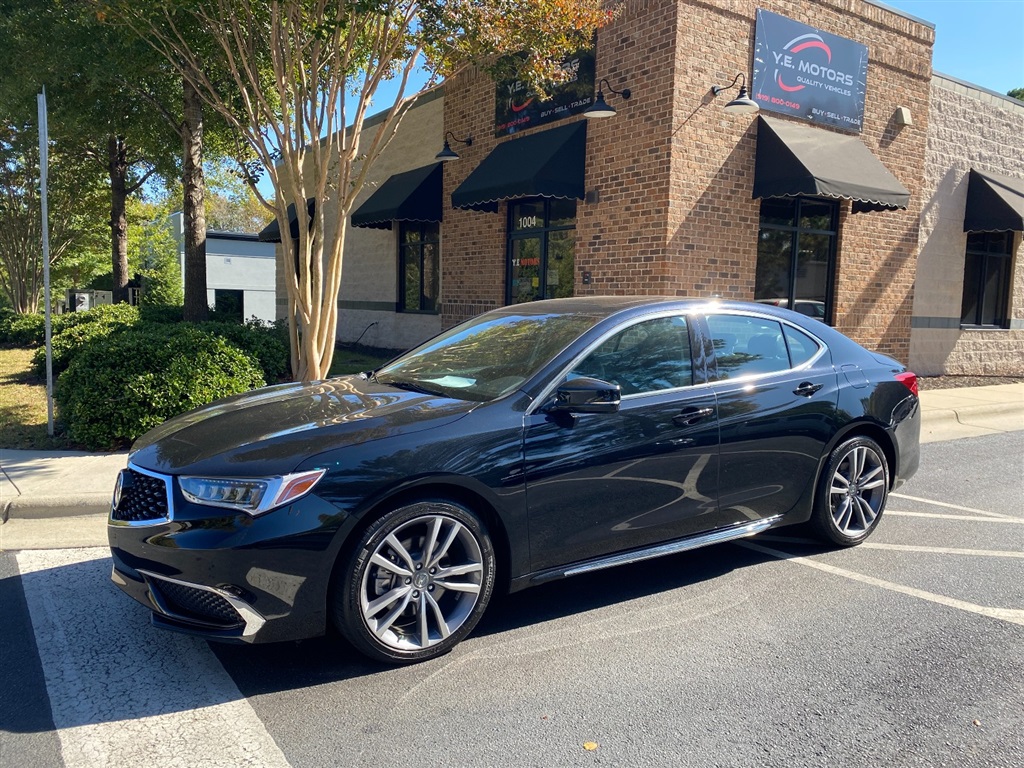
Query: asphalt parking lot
{"type": "Point", "coordinates": [773, 651]}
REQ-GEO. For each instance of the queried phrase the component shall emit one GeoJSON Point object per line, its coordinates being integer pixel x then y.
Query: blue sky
{"type": "Point", "coordinates": [980, 41]}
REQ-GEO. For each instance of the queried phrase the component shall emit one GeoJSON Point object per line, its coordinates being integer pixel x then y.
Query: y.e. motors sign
{"type": "Point", "coordinates": [519, 107]}
{"type": "Point", "coordinates": [807, 73]}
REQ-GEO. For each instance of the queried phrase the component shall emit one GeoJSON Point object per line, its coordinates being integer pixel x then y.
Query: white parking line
{"type": "Point", "coordinates": [1011, 615]}
{"type": "Point", "coordinates": [951, 506]}
{"type": "Point", "coordinates": [973, 519]}
{"type": "Point", "coordinates": [943, 550]}
{"type": "Point", "coordinates": [123, 693]}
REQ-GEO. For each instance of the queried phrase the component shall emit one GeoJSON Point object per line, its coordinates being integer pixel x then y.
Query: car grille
{"type": "Point", "coordinates": [143, 498]}
{"type": "Point", "coordinates": [195, 603]}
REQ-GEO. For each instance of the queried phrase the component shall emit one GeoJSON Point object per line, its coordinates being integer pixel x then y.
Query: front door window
{"type": "Point", "coordinates": [541, 250]}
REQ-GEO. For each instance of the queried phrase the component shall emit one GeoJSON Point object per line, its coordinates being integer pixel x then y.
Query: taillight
{"type": "Point", "coordinates": [909, 380]}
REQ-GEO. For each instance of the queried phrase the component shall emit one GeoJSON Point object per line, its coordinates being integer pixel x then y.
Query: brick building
{"type": "Point", "coordinates": [812, 202]}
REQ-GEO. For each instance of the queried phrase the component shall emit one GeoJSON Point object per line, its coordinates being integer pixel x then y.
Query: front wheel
{"type": "Point", "coordinates": [417, 584]}
{"type": "Point", "coordinates": [852, 492]}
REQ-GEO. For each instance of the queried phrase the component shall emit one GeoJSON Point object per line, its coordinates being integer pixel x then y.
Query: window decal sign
{"type": "Point", "coordinates": [518, 107]}
{"type": "Point", "coordinates": [807, 73]}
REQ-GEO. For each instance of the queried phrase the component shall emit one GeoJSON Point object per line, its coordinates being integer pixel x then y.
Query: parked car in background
{"type": "Point", "coordinates": [531, 443]}
{"type": "Point", "coordinates": [809, 307]}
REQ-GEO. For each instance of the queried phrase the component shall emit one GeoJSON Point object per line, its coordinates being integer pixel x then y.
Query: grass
{"type": "Point", "coordinates": [358, 359]}
{"type": "Point", "coordinates": [23, 405]}
{"type": "Point", "coordinates": [23, 395]}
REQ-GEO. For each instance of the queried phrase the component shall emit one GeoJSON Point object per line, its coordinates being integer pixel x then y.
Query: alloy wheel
{"type": "Point", "coordinates": [421, 582]}
{"type": "Point", "coordinates": [857, 490]}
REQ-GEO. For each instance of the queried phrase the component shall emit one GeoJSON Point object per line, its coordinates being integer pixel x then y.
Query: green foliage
{"type": "Point", "coordinates": [1016, 93]}
{"type": "Point", "coordinates": [266, 343]}
{"type": "Point", "coordinates": [71, 332]}
{"type": "Point", "coordinates": [25, 330]}
{"type": "Point", "coordinates": [119, 387]}
{"type": "Point", "coordinates": [159, 313]}
{"type": "Point", "coordinates": [76, 207]}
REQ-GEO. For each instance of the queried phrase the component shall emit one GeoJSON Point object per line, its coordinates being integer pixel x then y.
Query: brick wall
{"type": "Point", "coordinates": [968, 128]}
{"type": "Point", "coordinates": [713, 221]}
{"type": "Point", "coordinates": [669, 177]}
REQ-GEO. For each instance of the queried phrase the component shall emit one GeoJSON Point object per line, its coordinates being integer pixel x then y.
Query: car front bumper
{"type": "Point", "coordinates": [226, 575]}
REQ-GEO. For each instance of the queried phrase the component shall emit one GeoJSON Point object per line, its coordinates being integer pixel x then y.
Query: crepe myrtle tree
{"type": "Point", "coordinates": [297, 78]}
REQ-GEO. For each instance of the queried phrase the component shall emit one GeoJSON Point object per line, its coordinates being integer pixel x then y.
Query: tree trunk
{"type": "Point", "coordinates": [118, 167]}
{"type": "Point", "coordinates": [193, 211]}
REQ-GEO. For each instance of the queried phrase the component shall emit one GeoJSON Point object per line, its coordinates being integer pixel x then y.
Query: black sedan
{"type": "Point", "coordinates": [531, 443]}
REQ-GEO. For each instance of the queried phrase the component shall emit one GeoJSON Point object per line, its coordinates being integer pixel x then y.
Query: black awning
{"type": "Point", "coordinates": [545, 164]}
{"type": "Point", "coordinates": [411, 196]}
{"type": "Point", "coordinates": [798, 160]}
{"type": "Point", "coordinates": [995, 203]}
{"type": "Point", "coordinates": [272, 232]}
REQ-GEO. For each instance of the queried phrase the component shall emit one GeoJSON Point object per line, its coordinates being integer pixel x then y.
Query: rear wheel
{"type": "Point", "coordinates": [852, 492]}
{"type": "Point", "coordinates": [417, 584]}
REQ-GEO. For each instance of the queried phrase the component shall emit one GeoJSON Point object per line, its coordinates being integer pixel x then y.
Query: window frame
{"type": "Point", "coordinates": [794, 248]}
{"type": "Point", "coordinates": [404, 247]}
{"type": "Point", "coordinates": [986, 256]}
{"type": "Point", "coordinates": [541, 232]}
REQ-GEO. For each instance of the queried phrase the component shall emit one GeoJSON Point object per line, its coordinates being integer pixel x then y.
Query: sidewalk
{"type": "Point", "coordinates": [61, 498]}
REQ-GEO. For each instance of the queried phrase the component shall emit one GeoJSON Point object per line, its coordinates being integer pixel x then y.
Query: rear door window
{"type": "Point", "coordinates": [747, 346]}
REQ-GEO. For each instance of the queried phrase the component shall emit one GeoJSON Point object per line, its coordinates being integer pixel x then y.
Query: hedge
{"type": "Point", "coordinates": [120, 386]}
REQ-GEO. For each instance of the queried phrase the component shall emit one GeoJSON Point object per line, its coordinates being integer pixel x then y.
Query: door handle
{"type": "Point", "coordinates": [806, 389]}
{"type": "Point", "coordinates": [691, 415]}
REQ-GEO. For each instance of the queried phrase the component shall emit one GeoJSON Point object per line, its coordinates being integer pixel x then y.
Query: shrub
{"type": "Point", "coordinates": [264, 342]}
{"type": "Point", "coordinates": [74, 329]}
{"type": "Point", "coordinates": [23, 330]}
{"type": "Point", "coordinates": [119, 387]}
{"type": "Point", "coordinates": [161, 313]}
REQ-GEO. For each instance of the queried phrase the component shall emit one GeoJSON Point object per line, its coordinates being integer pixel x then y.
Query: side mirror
{"type": "Point", "coordinates": [586, 395]}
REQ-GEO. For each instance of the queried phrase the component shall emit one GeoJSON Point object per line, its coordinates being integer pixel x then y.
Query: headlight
{"type": "Point", "coordinates": [254, 495]}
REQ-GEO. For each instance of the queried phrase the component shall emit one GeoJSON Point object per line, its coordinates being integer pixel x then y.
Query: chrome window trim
{"type": "Point", "coordinates": [168, 488]}
{"type": "Point", "coordinates": [704, 312]}
{"type": "Point", "coordinates": [251, 619]}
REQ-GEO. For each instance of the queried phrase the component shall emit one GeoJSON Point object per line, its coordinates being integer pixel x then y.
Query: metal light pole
{"type": "Point", "coordinates": [44, 137]}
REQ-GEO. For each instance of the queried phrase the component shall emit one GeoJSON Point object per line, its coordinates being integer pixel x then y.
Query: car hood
{"type": "Point", "coordinates": [270, 431]}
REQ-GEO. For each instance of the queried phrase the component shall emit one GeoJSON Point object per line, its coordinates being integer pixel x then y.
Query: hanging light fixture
{"type": "Point", "coordinates": [742, 104]}
{"type": "Point", "coordinates": [447, 153]}
{"type": "Point", "coordinates": [600, 107]}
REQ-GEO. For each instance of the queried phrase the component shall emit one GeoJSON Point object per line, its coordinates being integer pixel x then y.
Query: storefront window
{"type": "Point", "coordinates": [419, 247]}
{"type": "Point", "coordinates": [541, 250]}
{"type": "Point", "coordinates": [796, 249]}
{"type": "Point", "coordinates": [987, 279]}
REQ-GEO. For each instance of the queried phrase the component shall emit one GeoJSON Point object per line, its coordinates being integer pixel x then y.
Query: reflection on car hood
{"type": "Point", "coordinates": [270, 431]}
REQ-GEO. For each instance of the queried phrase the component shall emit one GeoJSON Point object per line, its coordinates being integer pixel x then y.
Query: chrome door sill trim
{"type": "Point", "coordinates": [718, 536]}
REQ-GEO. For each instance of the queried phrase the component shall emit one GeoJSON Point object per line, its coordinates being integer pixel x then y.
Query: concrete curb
{"type": "Point", "coordinates": [37, 507]}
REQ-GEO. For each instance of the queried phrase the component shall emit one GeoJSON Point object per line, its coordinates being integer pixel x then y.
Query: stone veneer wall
{"type": "Point", "coordinates": [969, 127]}
{"type": "Point", "coordinates": [669, 178]}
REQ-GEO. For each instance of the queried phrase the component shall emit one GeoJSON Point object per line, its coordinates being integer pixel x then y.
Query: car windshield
{"type": "Point", "coordinates": [487, 357]}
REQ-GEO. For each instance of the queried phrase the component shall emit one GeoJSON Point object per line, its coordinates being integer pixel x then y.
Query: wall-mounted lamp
{"type": "Point", "coordinates": [600, 107]}
{"type": "Point", "coordinates": [742, 104]}
{"type": "Point", "coordinates": [447, 153]}
{"type": "Point", "coordinates": [903, 116]}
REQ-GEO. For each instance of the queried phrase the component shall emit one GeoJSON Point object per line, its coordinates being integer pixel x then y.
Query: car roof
{"type": "Point", "coordinates": [606, 306]}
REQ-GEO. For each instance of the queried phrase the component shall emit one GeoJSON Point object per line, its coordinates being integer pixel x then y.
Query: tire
{"type": "Point", "coordinates": [852, 492]}
{"type": "Point", "coordinates": [397, 602]}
